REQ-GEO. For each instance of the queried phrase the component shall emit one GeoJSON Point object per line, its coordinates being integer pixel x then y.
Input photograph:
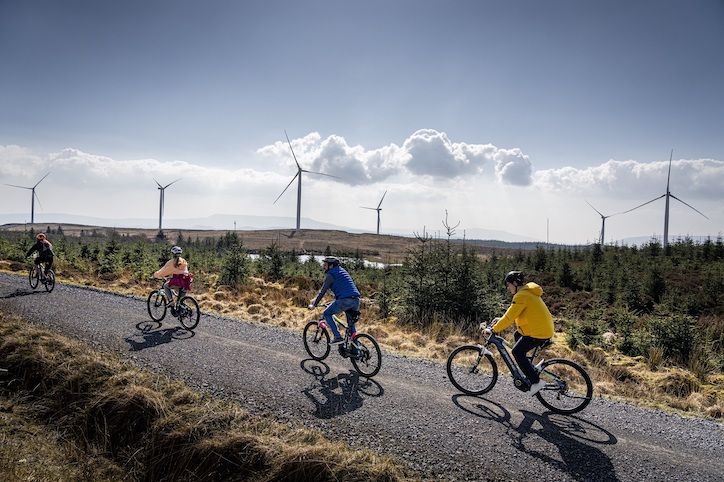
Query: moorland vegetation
{"type": "Point", "coordinates": [647, 322]}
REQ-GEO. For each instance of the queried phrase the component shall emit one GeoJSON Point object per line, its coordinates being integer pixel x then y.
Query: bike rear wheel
{"type": "Point", "coordinates": [568, 387]}
{"type": "Point", "coordinates": [316, 341]}
{"type": "Point", "coordinates": [156, 305]}
{"type": "Point", "coordinates": [188, 312]}
{"type": "Point", "coordinates": [471, 371]}
{"type": "Point", "coordinates": [369, 359]}
{"type": "Point", "coordinates": [33, 277]}
{"type": "Point", "coordinates": [49, 280]}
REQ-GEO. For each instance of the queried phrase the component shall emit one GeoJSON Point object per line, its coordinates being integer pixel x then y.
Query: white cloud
{"type": "Point", "coordinates": [513, 167]}
{"type": "Point", "coordinates": [426, 152]}
{"type": "Point", "coordinates": [700, 178]}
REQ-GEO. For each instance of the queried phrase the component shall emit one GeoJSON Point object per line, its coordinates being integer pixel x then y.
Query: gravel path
{"type": "Point", "coordinates": [410, 410]}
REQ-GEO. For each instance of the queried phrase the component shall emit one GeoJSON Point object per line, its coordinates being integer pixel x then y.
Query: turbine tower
{"type": "Point", "coordinates": [33, 196]}
{"type": "Point", "coordinates": [298, 176]}
{"type": "Point", "coordinates": [378, 209]}
{"type": "Point", "coordinates": [666, 210]}
{"type": "Point", "coordinates": [162, 190]}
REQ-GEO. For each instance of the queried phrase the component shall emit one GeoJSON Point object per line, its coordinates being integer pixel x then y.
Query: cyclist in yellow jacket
{"type": "Point", "coordinates": [533, 323]}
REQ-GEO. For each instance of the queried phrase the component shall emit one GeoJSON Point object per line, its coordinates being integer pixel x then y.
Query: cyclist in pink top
{"type": "Point", "coordinates": [178, 269]}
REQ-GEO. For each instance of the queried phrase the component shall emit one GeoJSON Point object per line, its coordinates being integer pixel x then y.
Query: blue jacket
{"type": "Point", "coordinates": [341, 284]}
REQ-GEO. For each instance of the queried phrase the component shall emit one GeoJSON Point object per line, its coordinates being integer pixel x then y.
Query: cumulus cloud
{"type": "Point", "coordinates": [426, 152]}
{"type": "Point", "coordinates": [700, 177]}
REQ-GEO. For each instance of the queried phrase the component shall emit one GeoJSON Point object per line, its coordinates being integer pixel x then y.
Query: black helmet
{"type": "Point", "coordinates": [331, 260]}
{"type": "Point", "coordinates": [515, 277]}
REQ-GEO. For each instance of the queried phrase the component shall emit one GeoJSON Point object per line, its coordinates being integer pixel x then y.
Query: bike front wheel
{"type": "Point", "coordinates": [369, 358]}
{"type": "Point", "coordinates": [316, 341]}
{"type": "Point", "coordinates": [49, 280]}
{"type": "Point", "coordinates": [156, 305]}
{"type": "Point", "coordinates": [33, 277]}
{"type": "Point", "coordinates": [472, 371]}
{"type": "Point", "coordinates": [568, 387]}
{"type": "Point", "coordinates": [188, 312]}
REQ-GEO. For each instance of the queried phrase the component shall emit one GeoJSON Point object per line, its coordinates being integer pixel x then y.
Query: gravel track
{"type": "Point", "coordinates": [410, 410]}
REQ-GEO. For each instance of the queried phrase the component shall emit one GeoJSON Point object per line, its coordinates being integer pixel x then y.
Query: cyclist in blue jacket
{"type": "Point", "coordinates": [345, 292]}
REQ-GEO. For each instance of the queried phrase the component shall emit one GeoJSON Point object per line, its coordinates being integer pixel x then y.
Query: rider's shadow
{"type": "Point", "coordinates": [21, 292]}
{"type": "Point", "coordinates": [571, 435]}
{"type": "Point", "coordinates": [151, 337]}
{"type": "Point", "coordinates": [337, 395]}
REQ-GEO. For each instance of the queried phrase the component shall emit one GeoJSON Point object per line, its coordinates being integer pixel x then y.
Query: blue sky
{"type": "Point", "coordinates": [378, 92]}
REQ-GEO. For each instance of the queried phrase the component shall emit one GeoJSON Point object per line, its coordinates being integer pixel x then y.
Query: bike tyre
{"type": "Point", "coordinates": [371, 352]}
{"type": "Point", "coordinates": [155, 311]}
{"type": "Point", "coordinates": [33, 277]}
{"type": "Point", "coordinates": [548, 402]}
{"type": "Point", "coordinates": [458, 381]}
{"type": "Point", "coordinates": [49, 281]}
{"type": "Point", "coordinates": [316, 337]}
{"type": "Point", "coordinates": [192, 320]}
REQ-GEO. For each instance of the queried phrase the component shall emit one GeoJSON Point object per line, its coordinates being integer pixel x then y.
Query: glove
{"type": "Point", "coordinates": [310, 306]}
{"type": "Point", "coordinates": [487, 332]}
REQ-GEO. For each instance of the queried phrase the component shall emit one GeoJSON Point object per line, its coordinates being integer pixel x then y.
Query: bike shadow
{"type": "Point", "coordinates": [152, 335]}
{"type": "Point", "coordinates": [21, 292]}
{"type": "Point", "coordinates": [337, 395]}
{"type": "Point", "coordinates": [574, 437]}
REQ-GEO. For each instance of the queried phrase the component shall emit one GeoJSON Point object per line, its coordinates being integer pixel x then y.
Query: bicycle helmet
{"type": "Point", "coordinates": [515, 277]}
{"type": "Point", "coordinates": [40, 236]}
{"type": "Point", "coordinates": [176, 251]}
{"type": "Point", "coordinates": [331, 260]}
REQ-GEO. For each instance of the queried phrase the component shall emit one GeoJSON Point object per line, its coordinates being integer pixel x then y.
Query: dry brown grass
{"type": "Point", "coordinates": [634, 379]}
{"type": "Point", "coordinates": [157, 428]}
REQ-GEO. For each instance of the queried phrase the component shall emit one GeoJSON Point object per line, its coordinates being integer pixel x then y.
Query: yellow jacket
{"type": "Point", "coordinates": [529, 312]}
{"type": "Point", "coordinates": [170, 268]}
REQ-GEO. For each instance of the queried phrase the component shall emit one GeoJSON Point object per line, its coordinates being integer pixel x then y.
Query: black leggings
{"type": "Point", "coordinates": [524, 344]}
{"type": "Point", "coordinates": [47, 260]}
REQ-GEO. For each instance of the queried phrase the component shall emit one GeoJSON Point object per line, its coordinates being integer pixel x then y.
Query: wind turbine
{"type": "Point", "coordinates": [378, 209]}
{"type": "Point", "coordinates": [603, 221]}
{"type": "Point", "coordinates": [161, 200]}
{"type": "Point", "coordinates": [668, 195]}
{"type": "Point", "coordinates": [33, 196]}
{"type": "Point", "coordinates": [298, 176]}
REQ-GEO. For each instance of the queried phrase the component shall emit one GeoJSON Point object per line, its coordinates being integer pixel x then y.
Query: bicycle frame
{"type": "Point", "coordinates": [519, 379]}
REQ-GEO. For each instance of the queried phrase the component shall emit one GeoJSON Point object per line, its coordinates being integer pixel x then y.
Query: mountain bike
{"type": "Point", "coordinates": [361, 349]}
{"type": "Point", "coordinates": [474, 371]}
{"type": "Point", "coordinates": [38, 274]}
{"type": "Point", "coordinates": [185, 309]}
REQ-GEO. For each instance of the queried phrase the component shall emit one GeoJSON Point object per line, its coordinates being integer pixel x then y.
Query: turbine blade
{"type": "Point", "coordinates": [599, 212]}
{"type": "Point", "coordinates": [158, 183]}
{"type": "Point", "coordinates": [41, 180]}
{"type": "Point", "coordinates": [692, 207]}
{"type": "Point", "coordinates": [668, 177]}
{"type": "Point", "coordinates": [642, 205]}
{"type": "Point", "coordinates": [290, 148]}
{"type": "Point", "coordinates": [36, 197]}
{"type": "Point", "coordinates": [21, 187]}
{"type": "Point", "coordinates": [285, 189]}
{"type": "Point", "coordinates": [321, 174]}
{"type": "Point", "coordinates": [174, 182]}
{"type": "Point", "coordinates": [365, 207]}
{"type": "Point", "coordinates": [383, 198]}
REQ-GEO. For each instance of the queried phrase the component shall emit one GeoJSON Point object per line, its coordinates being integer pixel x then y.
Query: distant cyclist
{"type": "Point", "coordinates": [533, 322]}
{"type": "Point", "coordinates": [178, 269]}
{"type": "Point", "coordinates": [45, 252]}
{"type": "Point", "coordinates": [345, 292]}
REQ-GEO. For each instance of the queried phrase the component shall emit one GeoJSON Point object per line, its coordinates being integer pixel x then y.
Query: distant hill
{"type": "Point", "coordinates": [245, 222]}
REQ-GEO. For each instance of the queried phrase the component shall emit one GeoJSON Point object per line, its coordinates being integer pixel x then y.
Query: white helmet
{"type": "Point", "coordinates": [176, 250]}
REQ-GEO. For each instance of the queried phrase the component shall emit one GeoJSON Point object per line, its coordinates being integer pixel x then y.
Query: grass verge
{"type": "Point", "coordinates": [159, 429]}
